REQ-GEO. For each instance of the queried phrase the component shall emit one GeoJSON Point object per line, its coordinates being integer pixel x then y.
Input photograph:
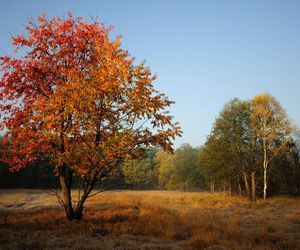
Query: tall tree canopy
{"type": "Point", "coordinates": [247, 138]}
{"type": "Point", "coordinates": [78, 98]}
{"type": "Point", "coordinates": [224, 154]}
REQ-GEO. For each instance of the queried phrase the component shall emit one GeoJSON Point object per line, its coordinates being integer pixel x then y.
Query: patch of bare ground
{"type": "Point", "coordinates": [149, 220]}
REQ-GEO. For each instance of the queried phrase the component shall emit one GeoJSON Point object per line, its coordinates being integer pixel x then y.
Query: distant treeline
{"type": "Point", "coordinates": [155, 170]}
{"type": "Point", "coordinates": [40, 175]}
{"type": "Point", "coordinates": [184, 170]}
{"type": "Point", "coordinates": [37, 175]}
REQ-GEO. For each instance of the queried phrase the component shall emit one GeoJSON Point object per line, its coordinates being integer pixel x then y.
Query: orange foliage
{"type": "Point", "coordinates": [77, 97]}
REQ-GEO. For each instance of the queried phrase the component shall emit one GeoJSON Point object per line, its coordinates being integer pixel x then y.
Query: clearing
{"type": "Point", "coordinates": [32, 219]}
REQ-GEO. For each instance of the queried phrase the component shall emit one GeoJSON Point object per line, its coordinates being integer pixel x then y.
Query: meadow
{"type": "Point", "coordinates": [32, 219]}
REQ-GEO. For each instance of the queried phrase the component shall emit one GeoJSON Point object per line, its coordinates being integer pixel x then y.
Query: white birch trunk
{"type": "Point", "coordinates": [265, 173]}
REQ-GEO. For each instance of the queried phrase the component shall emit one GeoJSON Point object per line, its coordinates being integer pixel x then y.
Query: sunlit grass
{"type": "Point", "coordinates": [150, 220]}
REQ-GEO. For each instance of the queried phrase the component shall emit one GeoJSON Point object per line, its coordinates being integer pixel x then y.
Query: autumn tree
{"type": "Point", "coordinates": [78, 98]}
{"type": "Point", "coordinates": [273, 131]}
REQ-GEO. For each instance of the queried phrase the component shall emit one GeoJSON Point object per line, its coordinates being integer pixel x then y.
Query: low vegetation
{"type": "Point", "coordinates": [149, 220]}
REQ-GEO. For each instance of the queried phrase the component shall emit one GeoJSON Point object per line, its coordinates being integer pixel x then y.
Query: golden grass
{"type": "Point", "coordinates": [149, 220]}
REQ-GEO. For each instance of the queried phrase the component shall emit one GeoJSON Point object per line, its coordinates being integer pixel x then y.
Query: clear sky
{"type": "Point", "coordinates": [204, 52]}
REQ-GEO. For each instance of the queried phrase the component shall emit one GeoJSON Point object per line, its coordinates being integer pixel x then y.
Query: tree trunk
{"type": "Point", "coordinates": [79, 207]}
{"type": "Point", "coordinates": [223, 186]}
{"type": "Point", "coordinates": [265, 165]}
{"type": "Point", "coordinates": [253, 187]}
{"type": "Point", "coordinates": [229, 188]}
{"type": "Point", "coordinates": [66, 196]}
{"type": "Point", "coordinates": [240, 186]}
{"type": "Point", "coordinates": [212, 185]}
{"type": "Point", "coordinates": [79, 210]}
{"type": "Point", "coordinates": [246, 184]}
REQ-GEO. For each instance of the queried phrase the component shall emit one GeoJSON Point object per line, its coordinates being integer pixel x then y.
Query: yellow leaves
{"type": "Point", "coordinates": [270, 123]}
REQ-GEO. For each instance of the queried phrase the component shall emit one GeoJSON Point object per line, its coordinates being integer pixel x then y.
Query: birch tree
{"type": "Point", "coordinates": [273, 131]}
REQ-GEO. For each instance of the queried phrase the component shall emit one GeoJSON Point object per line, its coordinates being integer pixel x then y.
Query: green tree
{"type": "Point", "coordinates": [179, 171]}
{"type": "Point", "coordinates": [208, 163]}
{"type": "Point", "coordinates": [224, 155]}
{"type": "Point", "coordinates": [166, 170]}
{"type": "Point", "coordinates": [141, 173]}
{"type": "Point", "coordinates": [187, 170]}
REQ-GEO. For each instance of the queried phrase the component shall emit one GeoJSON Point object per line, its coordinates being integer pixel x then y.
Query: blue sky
{"type": "Point", "coordinates": [204, 52]}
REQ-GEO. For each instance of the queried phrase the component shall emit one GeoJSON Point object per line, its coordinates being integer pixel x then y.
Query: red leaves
{"type": "Point", "coordinates": [77, 97]}
{"type": "Point", "coordinates": [58, 50]}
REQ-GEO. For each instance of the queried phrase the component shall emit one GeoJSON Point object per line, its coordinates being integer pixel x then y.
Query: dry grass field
{"type": "Point", "coordinates": [149, 220]}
